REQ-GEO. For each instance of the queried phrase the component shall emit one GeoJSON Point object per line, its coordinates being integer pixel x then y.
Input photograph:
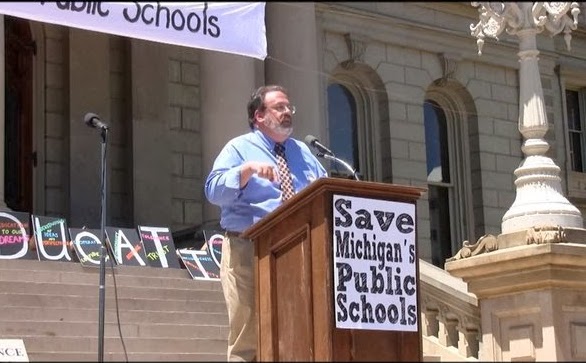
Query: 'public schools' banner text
{"type": "Point", "coordinates": [230, 27]}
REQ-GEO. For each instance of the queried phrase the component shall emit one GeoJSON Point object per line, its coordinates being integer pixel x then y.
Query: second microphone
{"type": "Point", "coordinates": [314, 142]}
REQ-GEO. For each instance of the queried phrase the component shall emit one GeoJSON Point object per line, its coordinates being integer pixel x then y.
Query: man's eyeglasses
{"type": "Point", "coordinates": [283, 108]}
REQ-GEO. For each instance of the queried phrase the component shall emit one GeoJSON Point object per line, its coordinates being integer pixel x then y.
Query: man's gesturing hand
{"type": "Point", "coordinates": [262, 169]}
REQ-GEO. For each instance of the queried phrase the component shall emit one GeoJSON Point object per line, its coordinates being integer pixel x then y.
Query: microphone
{"type": "Point", "coordinates": [324, 152]}
{"type": "Point", "coordinates": [339, 161]}
{"type": "Point", "coordinates": [93, 120]}
{"type": "Point", "coordinates": [313, 142]}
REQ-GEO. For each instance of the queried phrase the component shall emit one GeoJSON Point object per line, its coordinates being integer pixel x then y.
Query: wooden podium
{"type": "Point", "coordinates": [295, 281]}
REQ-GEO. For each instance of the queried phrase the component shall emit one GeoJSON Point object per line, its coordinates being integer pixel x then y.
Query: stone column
{"type": "Point", "coordinates": [151, 139]}
{"type": "Point", "coordinates": [293, 61]}
{"type": "Point", "coordinates": [227, 81]}
{"type": "Point", "coordinates": [89, 75]}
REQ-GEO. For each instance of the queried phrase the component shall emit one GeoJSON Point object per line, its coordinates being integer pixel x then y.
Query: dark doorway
{"type": "Point", "coordinates": [19, 157]}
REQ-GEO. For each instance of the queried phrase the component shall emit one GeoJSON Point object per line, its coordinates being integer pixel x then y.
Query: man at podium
{"type": "Point", "coordinates": [252, 175]}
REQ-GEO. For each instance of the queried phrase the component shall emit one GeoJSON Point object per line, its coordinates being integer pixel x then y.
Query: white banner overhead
{"type": "Point", "coordinates": [231, 27]}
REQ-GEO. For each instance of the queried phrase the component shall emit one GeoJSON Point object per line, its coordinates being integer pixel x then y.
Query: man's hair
{"type": "Point", "coordinates": [257, 101]}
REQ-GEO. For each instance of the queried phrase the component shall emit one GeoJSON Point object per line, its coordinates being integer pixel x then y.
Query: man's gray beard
{"type": "Point", "coordinates": [285, 131]}
{"type": "Point", "coordinates": [279, 128]}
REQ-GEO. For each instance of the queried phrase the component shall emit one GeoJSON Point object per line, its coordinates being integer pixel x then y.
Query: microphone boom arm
{"type": "Point", "coordinates": [345, 164]}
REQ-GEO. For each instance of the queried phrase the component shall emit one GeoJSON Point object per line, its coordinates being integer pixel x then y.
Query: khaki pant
{"type": "Point", "coordinates": [237, 277]}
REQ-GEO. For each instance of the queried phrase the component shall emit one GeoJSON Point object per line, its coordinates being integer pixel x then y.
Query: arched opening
{"type": "Point", "coordinates": [358, 121]}
{"type": "Point", "coordinates": [19, 156]}
{"type": "Point", "coordinates": [453, 178]}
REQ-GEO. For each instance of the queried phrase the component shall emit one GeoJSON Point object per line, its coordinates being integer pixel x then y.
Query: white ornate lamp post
{"type": "Point", "coordinates": [539, 201]}
{"type": "Point", "coordinates": [533, 284]}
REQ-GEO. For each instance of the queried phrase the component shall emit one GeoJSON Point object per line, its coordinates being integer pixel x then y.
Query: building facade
{"type": "Point", "coordinates": [396, 89]}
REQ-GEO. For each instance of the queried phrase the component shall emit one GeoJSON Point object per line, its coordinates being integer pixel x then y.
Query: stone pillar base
{"type": "Point", "coordinates": [531, 288]}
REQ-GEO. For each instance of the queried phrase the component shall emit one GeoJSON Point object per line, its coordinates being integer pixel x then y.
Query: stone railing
{"type": "Point", "coordinates": [450, 317]}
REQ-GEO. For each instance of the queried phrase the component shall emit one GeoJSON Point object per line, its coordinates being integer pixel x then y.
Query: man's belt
{"type": "Point", "coordinates": [233, 234]}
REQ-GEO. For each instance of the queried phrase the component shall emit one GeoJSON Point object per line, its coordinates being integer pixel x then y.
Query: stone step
{"type": "Point", "coordinates": [120, 357]}
{"type": "Point", "coordinates": [71, 344]}
{"type": "Point", "coordinates": [129, 330]}
{"type": "Point", "coordinates": [139, 292]}
{"type": "Point", "coordinates": [30, 265]}
{"type": "Point", "coordinates": [120, 279]}
{"type": "Point", "coordinates": [69, 272]}
{"type": "Point", "coordinates": [46, 313]}
{"type": "Point", "coordinates": [75, 301]}
{"type": "Point", "coordinates": [151, 314]}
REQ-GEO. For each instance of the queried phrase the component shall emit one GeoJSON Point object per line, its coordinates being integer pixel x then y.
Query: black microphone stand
{"type": "Point", "coordinates": [103, 252]}
{"type": "Point", "coordinates": [334, 158]}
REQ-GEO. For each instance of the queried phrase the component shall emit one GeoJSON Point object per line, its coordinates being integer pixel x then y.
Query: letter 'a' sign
{"type": "Point", "coordinates": [374, 256]}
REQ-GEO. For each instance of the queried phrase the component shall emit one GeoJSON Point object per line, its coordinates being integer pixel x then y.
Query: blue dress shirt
{"type": "Point", "coordinates": [241, 208]}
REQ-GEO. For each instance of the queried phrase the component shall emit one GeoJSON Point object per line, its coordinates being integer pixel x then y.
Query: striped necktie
{"type": "Point", "coordinates": [284, 172]}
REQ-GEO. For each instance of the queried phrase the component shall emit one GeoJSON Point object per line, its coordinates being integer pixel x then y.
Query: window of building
{"type": "Point", "coordinates": [574, 108]}
{"type": "Point", "coordinates": [358, 126]}
{"type": "Point", "coordinates": [343, 133]}
{"type": "Point", "coordinates": [357, 131]}
{"type": "Point", "coordinates": [448, 177]}
{"type": "Point", "coordinates": [440, 187]}
{"type": "Point", "coordinates": [572, 83]}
